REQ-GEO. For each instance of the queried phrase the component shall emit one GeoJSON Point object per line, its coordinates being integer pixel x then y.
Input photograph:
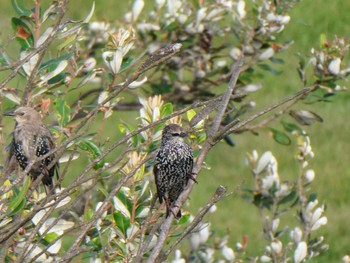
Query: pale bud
{"type": "Point", "coordinates": [309, 175]}
{"type": "Point", "coordinates": [296, 235]}
{"type": "Point", "coordinates": [334, 66]}
{"type": "Point", "coordinates": [276, 246]}
{"type": "Point", "coordinates": [301, 252]}
{"type": "Point", "coordinates": [136, 9]}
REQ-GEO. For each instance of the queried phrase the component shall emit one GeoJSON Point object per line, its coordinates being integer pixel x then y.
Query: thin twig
{"type": "Point", "coordinates": [238, 126]}
{"type": "Point", "coordinates": [226, 98]}
{"type": "Point", "coordinates": [219, 194]}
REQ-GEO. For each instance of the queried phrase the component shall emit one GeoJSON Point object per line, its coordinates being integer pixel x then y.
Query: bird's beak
{"type": "Point", "coordinates": [183, 134]}
{"type": "Point", "coordinates": [9, 113]}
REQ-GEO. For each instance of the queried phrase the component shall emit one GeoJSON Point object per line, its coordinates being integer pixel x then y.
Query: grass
{"type": "Point", "coordinates": [329, 140]}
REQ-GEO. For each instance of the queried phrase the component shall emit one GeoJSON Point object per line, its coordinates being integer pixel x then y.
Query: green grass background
{"type": "Point", "coordinates": [329, 140]}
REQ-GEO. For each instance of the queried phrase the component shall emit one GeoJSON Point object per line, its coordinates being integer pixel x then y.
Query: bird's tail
{"type": "Point", "coordinates": [49, 189]}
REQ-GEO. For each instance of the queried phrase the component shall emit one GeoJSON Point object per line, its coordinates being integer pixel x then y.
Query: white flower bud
{"type": "Point", "coordinates": [235, 53]}
{"type": "Point", "coordinates": [178, 258]}
{"type": "Point", "coordinates": [241, 9]}
{"type": "Point", "coordinates": [334, 66]}
{"type": "Point", "coordinates": [316, 215]}
{"type": "Point", "coordinates": [346, 259]}
{"type": "Point", "coordinates": [212, 209]}
{"type": "Point", "coordinates": [113, 59]}
{"type": "Point", "coordinates": [137, 8]}
{"type": "Point", "coordinates": [275, 224]}
{"type": "Point", "coordinates": [265, 259]}
{"type": "Point", "coordinates": [296, 235]}
{"type": "Point", "coordinates": [251, 87]}
{"type": "Point", "coordinates": [309, 175]}
{"type": "Point", "coordinates": [320, 222]}
{"type": "Point", "coordinates": [276, 246]}
{"type": "Point", "coordinates": [89, 65]}
{"type": "Point", "coordinates": [201, 14]}
{"type": "Point", "coordinates": [267, 53]}
{"type": "Point", "coordinates": [301, 252]}
{"type": "Point", "coordinates": [228, 253]}
{"type": "Point", "coordinates": [204, 233]}
{"type": "Point", "coordinates": [285, 20]}
{"type": "Point", "coordinates": [160, 3]}
{"type": "Point", "coordinates": [195, 241]}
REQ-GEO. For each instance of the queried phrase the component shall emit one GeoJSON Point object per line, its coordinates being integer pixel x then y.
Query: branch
{"type": "Point", "coordinates": [226, 98]}
{"type": "Point", "coordinates": [234, 126]}
{"type": "Point", "coordinates": [219, 194]}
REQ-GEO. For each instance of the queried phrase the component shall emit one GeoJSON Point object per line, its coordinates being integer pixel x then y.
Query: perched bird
{"type": "Point", "coordinates": [173, 166]}
{"type": "Point", "coordinates": [31, 140]}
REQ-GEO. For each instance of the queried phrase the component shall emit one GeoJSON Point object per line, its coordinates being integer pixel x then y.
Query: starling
{"type": "Point", "coordinates": [173, 166]}
{"type": "Point", "coordinates": [32, 139]}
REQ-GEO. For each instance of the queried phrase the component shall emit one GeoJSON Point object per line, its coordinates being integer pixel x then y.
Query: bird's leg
{"type": "Point", "coordinates": [191, 176]}
{"type": "Point", "coordinates": [169, 209]}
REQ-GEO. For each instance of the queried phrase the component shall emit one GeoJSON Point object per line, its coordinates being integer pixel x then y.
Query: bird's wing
{"type": "Point", "coordinates": [157, 173]}
{"type": "Point", "coordinates": [11, 161]}
{"type": "Point", "coordinates": [50, 144]}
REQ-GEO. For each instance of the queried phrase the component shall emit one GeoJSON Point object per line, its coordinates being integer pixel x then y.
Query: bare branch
{"type": "Point", "coordinates": [219, 194]}
{"type": "Point", "coordinates": [226, 98]}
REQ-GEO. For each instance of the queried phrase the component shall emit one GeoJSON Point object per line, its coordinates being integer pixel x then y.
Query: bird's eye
{"type": "Point", "coordinates": [20, 113]}
{"type": "Point", "coordinates": [176, 134]}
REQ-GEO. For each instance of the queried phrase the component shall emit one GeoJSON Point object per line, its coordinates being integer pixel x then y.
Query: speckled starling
{"type": "Point", "coordinates": [31, 140]}
{"type": "Point", "coordinates": [173, 166]}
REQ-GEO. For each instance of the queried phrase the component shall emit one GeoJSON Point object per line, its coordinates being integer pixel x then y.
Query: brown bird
{"type": "Point", "coordinates": [173, 166]}
{"type": "Point", "coordinates": [31, 140]}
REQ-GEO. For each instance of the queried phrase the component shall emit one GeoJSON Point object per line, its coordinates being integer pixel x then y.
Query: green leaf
{"type": "Point", "coordinates": [270, 69]}
{"type": "Point", "coordinates": [89, 214]}
{"type": "Point", "coordinates": [261, 201]}
{"type": "Point", "coordinates": [123, 197]}
{"type": "Point", "coordinates": [18, 208]}
{"type": "Point", "coordinates": [172, 26]}
{"type": "Point", "coordinates": [126, 63]}
{"type": "Point", "coordinates": [183, 220]}
{"type": "Point", "coordinates": [103, 191]}
{"type": "Point", "coordinates": [122, 222]}
{"type": "Point", "coordinates": [19, 200]}
{"type": "Point", "coordinates": [4, 59]}
{"type": "Point", "coordinates": [51, 64]}
{"type": "Point", "coordinates": [305, 117]}
{"type": "Point", "coordinates": [291, 127]}
{"type": "Point", "coordinates": [20, 8]}
{"type": "Point", "coordinates": [166, 109]}
{"type": "Point", "coordinates": [172, 76]}
{"type": "Point", "coordinates": [323, 40]}
{"type": "Point", "coordinates": [63, 112]}
{"type": "Point", "coordinates": [93, 150]}
{"type": "Point", "coordinates": [312, 197]}
{"type": "Point", "coordinates": [288, 198]}
{"type": "Point", "coordinates": [24, 35]}
{"type": "Point", "coordinates": [280, 137]}
{"type": "Point", "coordinates": [68, 41]}
{"type": "Point", "coordinates": [122, 128]}
{"type": "Point", "coordinates": [190, 114]}
{"type": "Point", "coordinates": [51, 237]}
{"type": "Point", "coordinates": [97, 242]}
{"type": "Point", "coordinates": [161, 88]}
{"type": "Point", "coordinates": [302, 62]}
{"type": "Point", "coordinates": [229, 140]}
{"type": "Point", "coordinates": [277, 60]}
{"type": "Point", "coordinates": [58, 78]}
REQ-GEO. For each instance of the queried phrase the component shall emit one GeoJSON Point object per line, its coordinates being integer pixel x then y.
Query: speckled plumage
{"type": "Point", "coordinates": [32, 139]}
{"type": "Point", "coordinates": [173, 166]}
